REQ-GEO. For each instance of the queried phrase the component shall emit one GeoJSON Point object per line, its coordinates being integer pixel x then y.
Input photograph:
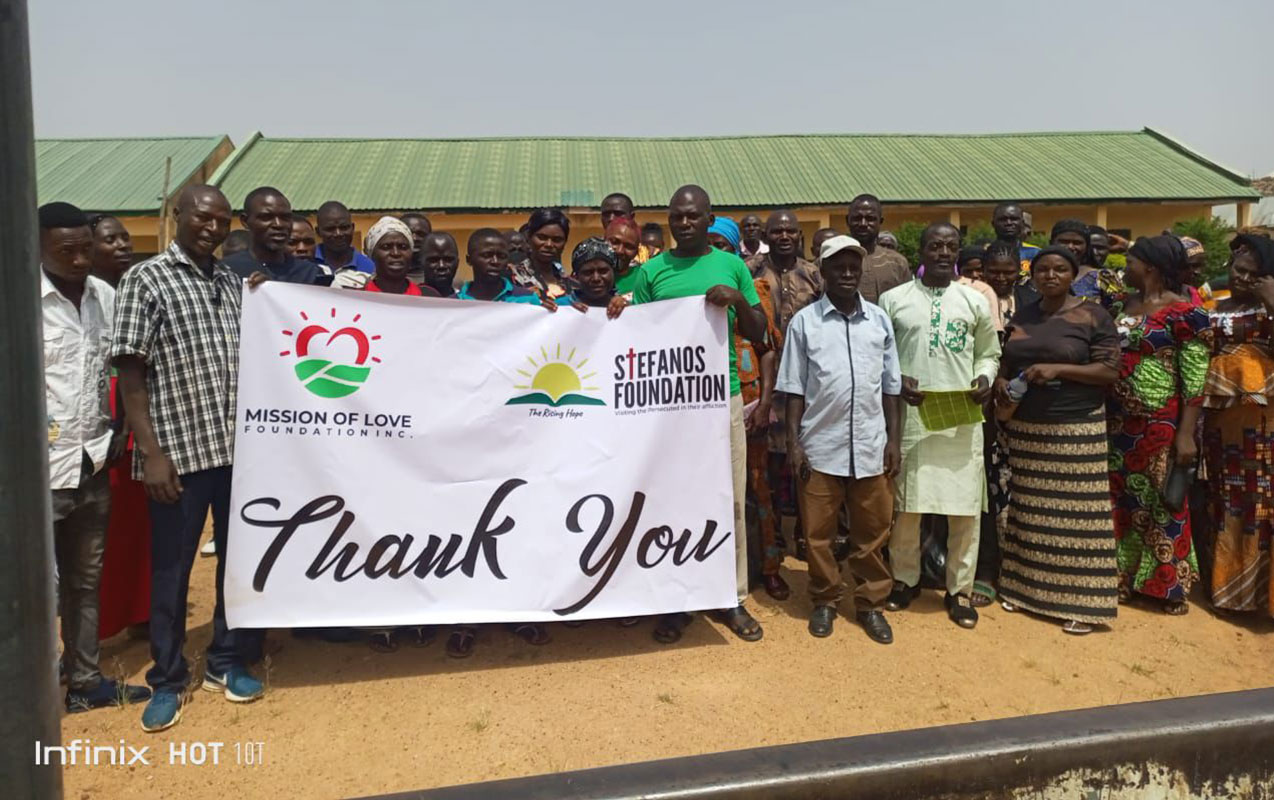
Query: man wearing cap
{"type": "Point", "coordinates": [841, 376]}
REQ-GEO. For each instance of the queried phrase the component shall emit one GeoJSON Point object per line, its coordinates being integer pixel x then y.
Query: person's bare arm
{"type": "Point", "coordinates": [796, 459]}
{"type": "Point", "coordinates": [159, 475]}
{"type": "Point", "coordinates": [1094, 374]}
{"type": "Point", "coordinates": [1184, 445]}
{"type": "Point", "coordinates": [760, 416]}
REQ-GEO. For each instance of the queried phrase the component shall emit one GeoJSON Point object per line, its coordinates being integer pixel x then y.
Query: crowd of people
{"type": "Point", "coordinates": [1041, 411]}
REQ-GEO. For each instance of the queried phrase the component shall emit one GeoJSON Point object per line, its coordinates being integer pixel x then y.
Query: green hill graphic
{"type": "Point", "coordinates": [542, 399]}
{"type": "Point", "coordinates": [326, 379]}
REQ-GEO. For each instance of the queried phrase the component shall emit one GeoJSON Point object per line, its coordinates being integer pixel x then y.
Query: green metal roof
{"type": "Point", "coordinates": [741, 171]}
{"type": "Point", "coordinates": [119, 175]}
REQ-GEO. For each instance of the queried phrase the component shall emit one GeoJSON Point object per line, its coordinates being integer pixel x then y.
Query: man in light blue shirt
{"type": "Point", "coordinates": [842, 380]}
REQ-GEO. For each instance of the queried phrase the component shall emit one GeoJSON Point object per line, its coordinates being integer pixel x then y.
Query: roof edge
{"type": "Point", "coordinates": [209, 138]}
{"type": "Point", "coordinates": [219, 175]}
{"type": "Point", "coordinates": [719, 137]}
{"type": "Point", "coordinates": [1186, 150]}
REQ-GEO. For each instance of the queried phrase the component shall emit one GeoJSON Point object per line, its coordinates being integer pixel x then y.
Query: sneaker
{"type": "Point", "coordinates": [162, 712]}
{"type": "Point", "coordinates": [901, 596]}
{"type": "Point", "coordinates": [209, 548]}
{"type": "Point", "coordinates": [961, 611]}
{"type": "Point", "coordinates": [105, 693]}
{"type": "Point", "coordinates": [237, 683]}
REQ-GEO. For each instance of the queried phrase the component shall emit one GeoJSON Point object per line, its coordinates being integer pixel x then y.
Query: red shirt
{"type": "Point", "coordinates": [412, 289]}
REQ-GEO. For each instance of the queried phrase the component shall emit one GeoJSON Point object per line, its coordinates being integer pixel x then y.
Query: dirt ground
{"type": "Point", "coordinates": [342, 721]}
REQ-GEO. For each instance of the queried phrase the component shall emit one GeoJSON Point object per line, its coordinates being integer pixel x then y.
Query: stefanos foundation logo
{"type": "Point", "coordinates": [556, 381]}
{"type": "Point", "coordinates": [332, 360]}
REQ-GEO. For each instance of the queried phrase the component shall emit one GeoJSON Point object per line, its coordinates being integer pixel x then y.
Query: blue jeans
{"type": "Point", "coordinates": [174, 545]}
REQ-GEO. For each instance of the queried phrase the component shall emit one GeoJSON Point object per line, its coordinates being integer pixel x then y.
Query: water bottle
{"type": "Point", "coordinates": [1017, 388]}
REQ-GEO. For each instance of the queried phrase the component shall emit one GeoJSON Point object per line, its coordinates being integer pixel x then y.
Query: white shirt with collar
{"type": "Point", "coordinates": [77, 377]}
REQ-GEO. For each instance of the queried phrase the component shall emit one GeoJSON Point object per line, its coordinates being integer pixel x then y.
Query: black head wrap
{"type": "Point", "coordinates": [1166, 254]}
{"type": "Point", "coordinates": [543, 217]}
{"type": "Point", "coordinates": [590, 249]}
{"type": "Point", "coordinates": [1069, 226]}
{"type": "Point", "coordinates": [973, 252]}
{"type": "Point", "coordinates": [1057, 250]}
{"type": "Point", "coordinates": [1260, 247]}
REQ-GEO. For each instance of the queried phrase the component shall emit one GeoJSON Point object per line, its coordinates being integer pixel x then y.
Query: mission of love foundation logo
{"type": "Point", "coordinates": [332, 359]}
{"type": "Point", "coordinates": [556, 381]}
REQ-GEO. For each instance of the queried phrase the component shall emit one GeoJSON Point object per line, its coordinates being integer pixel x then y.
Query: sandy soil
{"type": "Point", "coordinates": [341, 720]}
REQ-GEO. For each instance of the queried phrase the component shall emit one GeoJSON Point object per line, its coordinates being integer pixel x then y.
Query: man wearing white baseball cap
{"type": "Point", "coordinates": [841, 376]}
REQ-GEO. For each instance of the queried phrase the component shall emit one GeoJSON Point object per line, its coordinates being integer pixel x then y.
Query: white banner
{"type": "Point", "coordinates": [403, 460]}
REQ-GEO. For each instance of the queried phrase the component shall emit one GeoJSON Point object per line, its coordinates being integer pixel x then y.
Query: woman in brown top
{"type": "Point", "coordinates": [1059, 548]}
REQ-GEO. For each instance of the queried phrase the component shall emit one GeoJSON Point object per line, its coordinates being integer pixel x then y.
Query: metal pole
{"type": "Point", "coordinates": [1213, 744]}
{"type": "Point", "coordinates": [27, 653]}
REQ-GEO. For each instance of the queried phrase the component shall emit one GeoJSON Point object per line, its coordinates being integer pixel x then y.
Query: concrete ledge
{"type": "Point", "coordinates": [1210, 746]}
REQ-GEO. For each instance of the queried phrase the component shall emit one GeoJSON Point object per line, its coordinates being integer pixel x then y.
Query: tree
{"type": "Point", "coordinates": [1214, 234]}
{"type": "Point", "coordinates": [908, 235]}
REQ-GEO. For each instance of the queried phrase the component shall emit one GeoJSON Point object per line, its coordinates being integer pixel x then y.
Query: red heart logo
{"type": "Point", "coordinates": [307, 334]}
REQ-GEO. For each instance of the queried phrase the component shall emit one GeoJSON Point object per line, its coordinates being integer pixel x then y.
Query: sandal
{"type": "Point", "coordinates": [460, 642]}
{"type": "Point", "coordinates": [1076, 627]}
{"type": "Point", "coordinates": [668, 629]}
{"type": "Point", "coordinates": [741, 623]}
{"type": "Point", "coordinates": [628, 622]}
{"type": "Point", "coordinates": [532, 633]}
{"type": "Point", "coordinates": [983, 594]}
{"type": "Point", "coordinates": [421, 635]}
{"type": "Point", "coordinates": [1176, 608]}
{"type": "Point", "coordinates": [383, 641]}
{"type": "Point", "coordinates": [1007, 606]}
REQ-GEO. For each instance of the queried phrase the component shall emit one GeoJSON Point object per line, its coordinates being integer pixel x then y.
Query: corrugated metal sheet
{"type": "Point", "coordinates": [760, 171]}
{"type": "Point", "coordinates": [120, 175]}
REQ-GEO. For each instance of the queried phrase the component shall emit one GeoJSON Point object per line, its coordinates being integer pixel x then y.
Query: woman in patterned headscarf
{"type": "Point", "coordinates": [1152, 413]}
{"type": "Point", "coordinates": [1196, 262]}
{"type": "Point", "coordinates": [389, 243]}
{"type": "Point", "coordinates": [1238, 441]}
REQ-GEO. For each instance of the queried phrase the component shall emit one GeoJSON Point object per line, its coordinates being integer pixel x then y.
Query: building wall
{"type": "Point", "coordinates": [1139, 218]}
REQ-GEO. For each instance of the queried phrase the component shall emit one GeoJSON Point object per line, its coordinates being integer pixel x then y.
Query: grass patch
{"type": "Point", "coordinates": [481, 723]}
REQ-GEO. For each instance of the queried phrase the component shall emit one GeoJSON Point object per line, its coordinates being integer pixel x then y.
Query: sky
{"type": "Point", "coordinates": [475, 68]}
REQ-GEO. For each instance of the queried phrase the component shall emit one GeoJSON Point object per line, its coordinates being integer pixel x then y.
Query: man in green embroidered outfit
{"type": "Point", "coordinates": [946, 343]}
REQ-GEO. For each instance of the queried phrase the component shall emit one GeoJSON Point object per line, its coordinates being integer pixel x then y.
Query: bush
{"type": "Point", "coordinates": [979, 233]}
{"type": "Point", "coordinates": [908, 235]}
{"type": "Point", "coordinates": [1214, 234]}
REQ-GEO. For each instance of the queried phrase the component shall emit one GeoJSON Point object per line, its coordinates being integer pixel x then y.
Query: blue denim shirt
{"type": "Point", "coordinates": [842, 365]}
{"type": "Point", "coordinates": [360, 262]}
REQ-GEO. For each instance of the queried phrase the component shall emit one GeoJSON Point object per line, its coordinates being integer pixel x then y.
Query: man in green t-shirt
{"type": "Point", "coordinates": [691, 269]}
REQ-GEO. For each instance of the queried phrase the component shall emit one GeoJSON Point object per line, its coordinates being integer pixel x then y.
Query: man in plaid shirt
{"type": "Point", "coordinates": [176, 346]}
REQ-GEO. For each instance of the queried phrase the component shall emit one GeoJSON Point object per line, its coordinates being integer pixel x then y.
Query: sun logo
{"type": "Point", "coordinates": [556, 381]}
{"type": "Point", "coordinates": [324, 362]}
